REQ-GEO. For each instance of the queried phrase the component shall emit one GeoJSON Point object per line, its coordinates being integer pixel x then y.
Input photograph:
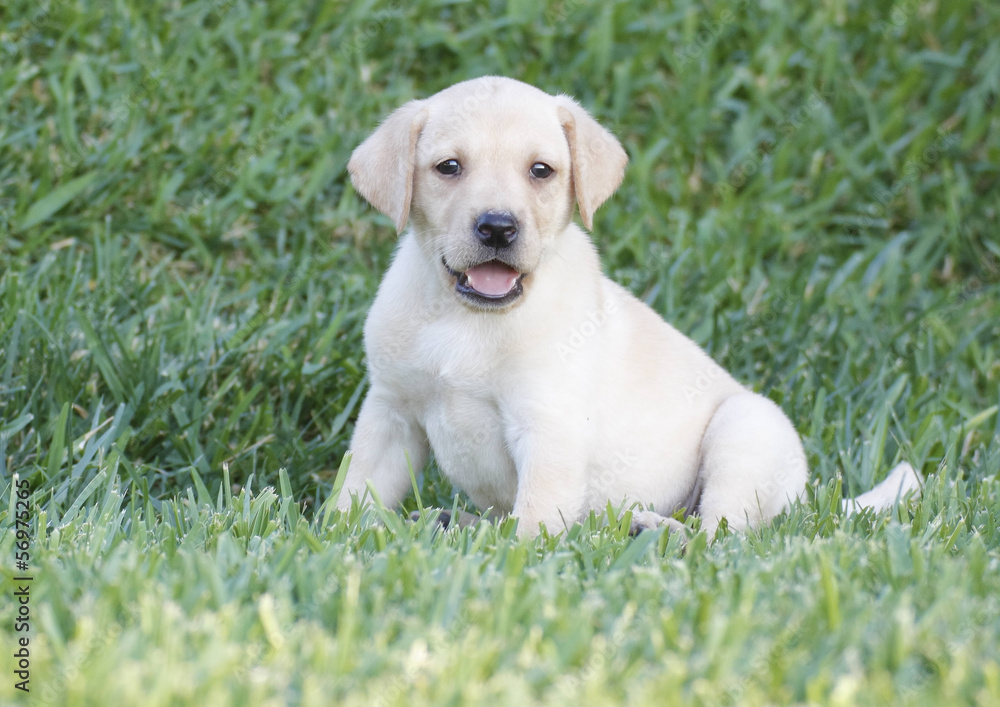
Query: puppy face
{"type": "Point", "coordinates": [491, 189]}
{"type": "Point", "coordinates": [487, 171]}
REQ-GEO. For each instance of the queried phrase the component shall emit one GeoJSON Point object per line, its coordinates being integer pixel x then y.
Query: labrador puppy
{"type": "Point", "coordinates": [544, 389]}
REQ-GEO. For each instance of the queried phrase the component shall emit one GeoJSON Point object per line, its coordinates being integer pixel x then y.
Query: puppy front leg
{"type": "Point", "coordinates": [383, 439]}
{"type": "Point", "coordinates": [551, 485]}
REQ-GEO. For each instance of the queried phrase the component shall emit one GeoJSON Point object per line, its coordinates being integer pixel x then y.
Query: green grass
{"type": "Point", "coordinates": [813, 195]}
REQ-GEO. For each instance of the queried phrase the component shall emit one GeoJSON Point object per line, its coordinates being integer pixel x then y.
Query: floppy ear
{"type": "Point", "coordinates": [382, 166]}
{"type": "Point", "coordinates": [598, 160]}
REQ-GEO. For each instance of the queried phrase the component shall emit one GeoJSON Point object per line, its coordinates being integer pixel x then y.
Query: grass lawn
{"type": "Point", "coordinates": [813, 195]}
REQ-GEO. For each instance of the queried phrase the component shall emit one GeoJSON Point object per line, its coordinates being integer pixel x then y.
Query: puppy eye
{"type": "Point", "coordinates": [449, 167]}
{"type": "Point", "coordinates": [540, 170]}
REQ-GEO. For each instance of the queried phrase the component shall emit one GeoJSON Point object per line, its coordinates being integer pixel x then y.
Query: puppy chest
{"type": "Point", "coordinates": [466, 435]}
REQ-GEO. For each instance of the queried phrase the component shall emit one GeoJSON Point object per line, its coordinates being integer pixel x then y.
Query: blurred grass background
{"type": "Point", "coordinates": [813, 195]}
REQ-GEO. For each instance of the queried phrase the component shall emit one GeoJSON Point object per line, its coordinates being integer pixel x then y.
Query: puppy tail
{"type": "Point", "coordinates": [901, 481]}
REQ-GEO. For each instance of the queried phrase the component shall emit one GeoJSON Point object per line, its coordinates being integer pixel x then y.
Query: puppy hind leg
{"type": "Point", "coordinates": [752, 464]}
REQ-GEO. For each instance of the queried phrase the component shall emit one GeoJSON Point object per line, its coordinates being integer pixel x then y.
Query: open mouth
{"type": "Point", "coordinates": [492, 284]}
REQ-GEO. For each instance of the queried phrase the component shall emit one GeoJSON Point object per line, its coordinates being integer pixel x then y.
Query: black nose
{"type": "Point", "coordinates": [496, 229]}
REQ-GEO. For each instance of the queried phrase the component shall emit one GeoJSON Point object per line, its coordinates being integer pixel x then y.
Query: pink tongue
{"type": "Point", "coordinates": [493, 278]}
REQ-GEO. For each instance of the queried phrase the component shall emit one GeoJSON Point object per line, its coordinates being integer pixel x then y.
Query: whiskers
{"type": "Point", "coordinates": [431, 241]}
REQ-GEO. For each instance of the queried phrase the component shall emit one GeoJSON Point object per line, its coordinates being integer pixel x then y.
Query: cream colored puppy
{"type": "Point", "coordinates": [544, 389]}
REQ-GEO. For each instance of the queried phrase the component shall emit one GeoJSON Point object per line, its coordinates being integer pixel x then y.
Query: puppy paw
{"type": "Point", "coordinates": [443, 517]}
{"type": "Point", "coordinates": [650, 520]}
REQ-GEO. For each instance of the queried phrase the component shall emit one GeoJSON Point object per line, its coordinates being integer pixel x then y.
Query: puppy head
{"type": "Point", "coordinates": [487, 171]}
